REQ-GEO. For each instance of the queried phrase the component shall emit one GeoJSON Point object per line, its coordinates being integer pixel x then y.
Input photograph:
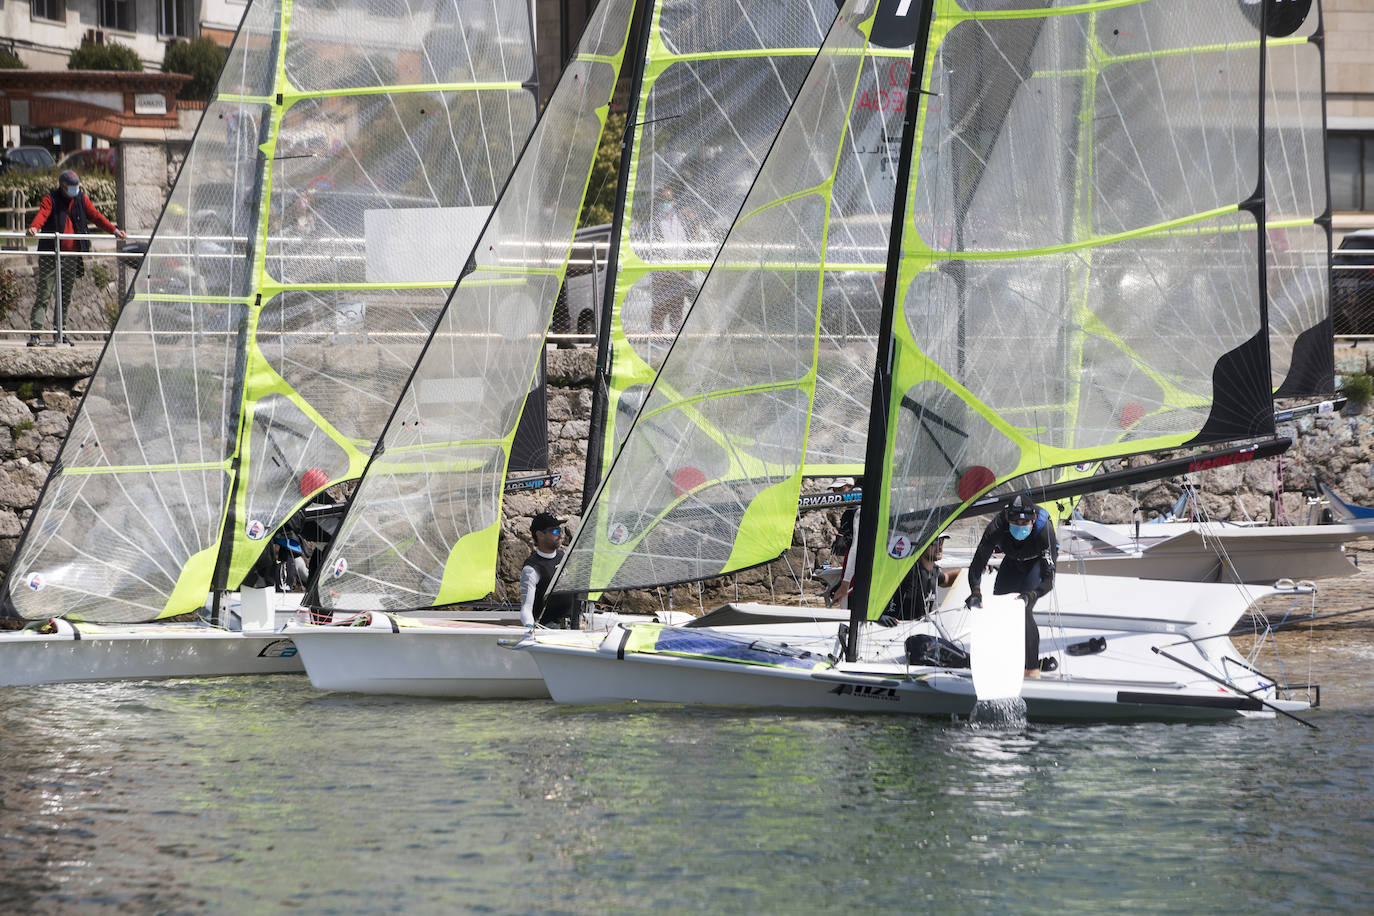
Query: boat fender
{"type": "Point", "coordinates": [924, 649]}
{"type": "Point", "coordinates": [1089, 647]}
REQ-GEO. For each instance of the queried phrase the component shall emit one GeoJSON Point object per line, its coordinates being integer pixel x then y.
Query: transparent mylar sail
{"type": "Point", "coordinates": [707, 480]}
{"type": "Point", "coordinates": [423, 527]}
{"type": "Point", "coordinates": [1297, 215]}
{"type": "Point", "coordinates": [328, 201]}
{"type": "Point", "coordinates": [1080, 273]}
{"type": "Point", "coordinates": [718, 78]}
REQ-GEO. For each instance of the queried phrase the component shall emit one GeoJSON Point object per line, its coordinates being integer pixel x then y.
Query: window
{"type": "Point", "coordinates": [117, 14]}
{"type": "Point", "coordinates": [1351, 158]}
{"type": "Point", "coordinates": [174, 18]}
{"type": "Point", "coordinates": [48, 9]}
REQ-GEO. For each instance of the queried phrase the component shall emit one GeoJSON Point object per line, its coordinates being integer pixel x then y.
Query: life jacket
{"type": "Point", "coordinates": [560, 605]}
{"type": "Point", "coordinates": [63, 207]}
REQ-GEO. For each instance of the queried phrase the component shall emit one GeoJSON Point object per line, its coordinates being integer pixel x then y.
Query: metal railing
{"type": "Point", "coordinates": [1352, 300]}
{"type": "Point", "coordinates": [576, 317]}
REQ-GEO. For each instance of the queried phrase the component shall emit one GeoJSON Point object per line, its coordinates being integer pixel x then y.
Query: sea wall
{"type": "Point", "coordinates": [40, 389]}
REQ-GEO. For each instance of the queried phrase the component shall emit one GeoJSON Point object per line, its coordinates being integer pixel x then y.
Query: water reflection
{"type": "Point", "coordinates": [259, 794]}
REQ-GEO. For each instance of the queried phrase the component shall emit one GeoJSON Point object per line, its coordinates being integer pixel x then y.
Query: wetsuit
{"type": "Point", "coordinates": [1027, 568]}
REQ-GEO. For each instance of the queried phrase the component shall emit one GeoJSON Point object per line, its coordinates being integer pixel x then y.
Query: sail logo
{"type": "Point", "coordinates": [278, 648]}
{"type": "Point", "coordinates": [617, 534]}
{"type": "Point", "coordinates": [899, 547]}
{"type": "Point", "coordinates": [339, 568]}
{"type": "Point", "coordinates": [35, 582]}
{"type": "Point", "coordinates": [1221, 461]}
{"type": "Point", "coordinates": [1083, 467]}
{"type": "Point", "coordinates": [255, 530]}
{"type": "Point", "coordinates": [866, 692]}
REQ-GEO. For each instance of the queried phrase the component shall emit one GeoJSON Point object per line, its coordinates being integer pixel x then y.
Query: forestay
{"type": "Point", "coordinates": [423, 527]}
{"type": "Point", "coordinates": [326, 205]}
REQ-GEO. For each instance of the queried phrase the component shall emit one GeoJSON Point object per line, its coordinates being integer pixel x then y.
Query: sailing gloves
{"type": "Point", "coordinates": [973, 601]}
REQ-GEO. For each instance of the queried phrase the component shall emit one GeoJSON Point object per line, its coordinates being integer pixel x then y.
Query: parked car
{"type": "Point", "coordinates": [1352, 283]}
{"type": "Point", "coordinates": [27, 158]}
{"type": "Point", "coordinates": [82, 160]}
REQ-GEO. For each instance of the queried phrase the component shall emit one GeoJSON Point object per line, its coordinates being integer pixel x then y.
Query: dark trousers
{"type": "Point", "coordinates": [47, 282]}
{"type": "Point", "coordinates": [1012, 580]}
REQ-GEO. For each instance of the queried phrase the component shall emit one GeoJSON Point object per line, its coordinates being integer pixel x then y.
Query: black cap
{"type": "Point", "coordinates": [544, 521]}
{"type": "Point", "coordinates": [69, 177]}
{"type": "Point", "coordinates": [1022, 507]}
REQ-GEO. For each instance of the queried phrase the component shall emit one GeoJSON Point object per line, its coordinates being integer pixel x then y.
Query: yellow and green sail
{"type": "Point", "coordinates": [717, 79]}
{"type": "Point", "coordinates": [327, 203]}
{"type": "Point", "coordinates": [423, 526]}
{"type": "Point", "coordinates": [1079, 255]}
{"type": "Point", "coordinates": [707, 481]}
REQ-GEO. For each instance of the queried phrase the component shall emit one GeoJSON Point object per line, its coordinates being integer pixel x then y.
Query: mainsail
{"type": "Point", "coordinates": [717, 79]}
{"type": "Point", "coordinates": [1114, 303]}
{"type": "Point", "coordinates": [327, 203]}
{"type": "Point", "coordinates": [708, 479]}
{"type": "Point", "coordinates": [1297, 211]}
{"type": "Point", "coordinates": [422, 528]}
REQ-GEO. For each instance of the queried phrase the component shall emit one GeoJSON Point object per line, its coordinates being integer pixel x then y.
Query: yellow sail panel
{"type": "Point", "coordinates": [707, 481]}
{"type": "Point", "coordinates": [1111, 305]}
{"type": "Point", "coordinates": [422, 528]}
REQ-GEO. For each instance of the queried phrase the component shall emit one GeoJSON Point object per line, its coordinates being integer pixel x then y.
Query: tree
{"type": "Point", "coordinates": [599, 204]}
{"type": "Point", "coordinates": [108, 56]}
{"type": "Point", "coordinates": [199, 58]}
{"type": "Point", "coordinates": [10, 61]}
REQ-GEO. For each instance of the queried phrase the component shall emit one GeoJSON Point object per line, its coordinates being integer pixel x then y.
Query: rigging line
{"type": "Point", "coordinates": [1230, 686]}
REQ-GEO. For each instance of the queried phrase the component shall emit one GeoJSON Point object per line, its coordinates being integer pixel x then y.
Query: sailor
{"type": "Point", "coordinates": [1025, 536]}
{"type": "Point", "coordinates": [915, 597]}
{"type": "Point", "coordinates": [535, 604]}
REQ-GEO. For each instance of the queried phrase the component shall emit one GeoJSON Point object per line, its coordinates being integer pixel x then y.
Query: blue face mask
{"type": "Point", "coordinates": [72, 189]}
{"type": "Point", "coordinates": [1020, 532]}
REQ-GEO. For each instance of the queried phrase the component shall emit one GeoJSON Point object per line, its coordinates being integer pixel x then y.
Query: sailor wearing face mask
{"type": "Point", "coordinates": [1024, 534]}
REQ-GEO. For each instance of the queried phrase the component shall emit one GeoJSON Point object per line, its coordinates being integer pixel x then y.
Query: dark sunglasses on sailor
{"type": "Point", "coordinates": [557, 531]}
{"type": "Point", "coordinates": [1022, 516]}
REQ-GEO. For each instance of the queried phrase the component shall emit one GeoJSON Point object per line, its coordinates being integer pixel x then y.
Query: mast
{"type": "Point", "coordinates": [601, 377]}
{"type": "Point", "coordinates": [872, 502]}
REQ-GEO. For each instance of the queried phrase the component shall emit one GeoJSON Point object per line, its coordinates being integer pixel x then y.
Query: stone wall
{"type": "Point", "coordinates": [39, 390]}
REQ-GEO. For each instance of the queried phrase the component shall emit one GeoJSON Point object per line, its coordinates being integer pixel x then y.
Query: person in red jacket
{"type": "Point", "coordinates": [64, 209]}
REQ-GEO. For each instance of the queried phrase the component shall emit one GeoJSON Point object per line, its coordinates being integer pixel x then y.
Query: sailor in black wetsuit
{"type": "Point", "coordinates": [1024, 534]}
{"type": "Point", "coordinates": [915, 597]}
{"type": "Point", "coordinates": [535, 604]}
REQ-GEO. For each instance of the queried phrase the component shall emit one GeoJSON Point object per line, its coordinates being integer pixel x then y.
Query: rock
{"type": "Point", "coordinates": [14, 412]}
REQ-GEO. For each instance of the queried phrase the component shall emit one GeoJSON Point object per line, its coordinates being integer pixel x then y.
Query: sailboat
{"type": "Point", "coordinates": [712, 83]}
{"type": "Point", "coordinates": [1110, 305]}
{"type": "Point", "coordinates": [337, 180]}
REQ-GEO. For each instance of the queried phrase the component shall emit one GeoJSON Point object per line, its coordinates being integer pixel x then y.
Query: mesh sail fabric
{"type": "Point", "coordinates": [318, 204]}
{"type": "Point", "coordinates": [708, 478]}
{"type": "Point", "coordinates": [1078, 277]}
{"type": "Point", "coordinates": [1296, 212]}
{"type": "Point", "coordinates": [422, 528]}
{"type": "Point", "coordinates": [718, 79]}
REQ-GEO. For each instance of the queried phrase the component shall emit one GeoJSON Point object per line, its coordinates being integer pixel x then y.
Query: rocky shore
{"type": "Point", "coordinates": [40, 389]}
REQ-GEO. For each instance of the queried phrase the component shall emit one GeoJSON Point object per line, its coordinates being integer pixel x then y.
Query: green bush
{"type": "Point", "coordinates": [599, 204]}
{"type": "Point", "coordinates": [10, 61]}
{"type": "Point", "coordinates": [201, 59]}
{"type": "Point", "coordinates": [99, 186]}
{"type": "Point", "coordinates": [1358, 388]}
{"type": "Point", "coordinates": [108, 56]}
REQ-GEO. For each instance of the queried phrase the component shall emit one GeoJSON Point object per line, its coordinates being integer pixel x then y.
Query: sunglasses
{"type": "Point", "coordinates": [552, 530]}
{"type": "Point", "coordinates": [1022, 516]}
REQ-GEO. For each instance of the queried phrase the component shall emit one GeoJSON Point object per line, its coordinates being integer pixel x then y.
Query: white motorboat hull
{"type": "Point", "coordinates": [142, 651]}
{"type": "Point", "coordinates": [442, 659]}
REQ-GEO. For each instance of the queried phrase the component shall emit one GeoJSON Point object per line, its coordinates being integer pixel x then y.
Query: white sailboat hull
{"type": "Point", "coordinates": [1120, 679]}
{"type": "Point", "coordinates": [139, 652]}
{"type": "Point", "coordinates": [585, 676]}
{"type": "Point", "coordinates": [446, 659]}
